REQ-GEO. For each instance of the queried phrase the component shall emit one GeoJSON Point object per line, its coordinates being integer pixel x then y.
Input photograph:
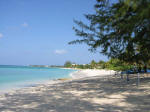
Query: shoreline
{"type": "Point", "coordinates": [13, 86]}
{"type": "Point", "coordinates": [31, 85]}
{"type": "Point", "coordinates": [88, 94]}
{"type": "Point", "coordinates": [76, 75]}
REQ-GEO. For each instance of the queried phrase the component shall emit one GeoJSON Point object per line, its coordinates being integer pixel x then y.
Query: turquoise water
{"type": "Point", "coordinates": [18, 76]}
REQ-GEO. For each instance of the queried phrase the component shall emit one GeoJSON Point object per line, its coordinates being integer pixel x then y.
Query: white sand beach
{"type": "Point", "coordinates": [87, 91]}
{"type": "Point", "coordinates": [91, 72]}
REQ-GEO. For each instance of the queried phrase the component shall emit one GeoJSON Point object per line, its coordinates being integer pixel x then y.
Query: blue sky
{"type": "Point", "coordinates": [38, 32]}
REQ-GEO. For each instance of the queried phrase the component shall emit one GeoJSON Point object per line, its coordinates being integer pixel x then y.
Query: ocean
{"type": "Point", "coordinates": [22, 76]}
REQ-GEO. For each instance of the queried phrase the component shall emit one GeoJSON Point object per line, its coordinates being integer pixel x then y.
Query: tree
{"type": "Point", "coordinates": [121, 30]}
{"type": "Point", "coordinates": [93, 64]}
{"type": "Point", "coordinates": [118, 65]}
{"type": "Point", "coordinates": [67, 64]}
{"type": "Point", "coordinates": [101, 64]}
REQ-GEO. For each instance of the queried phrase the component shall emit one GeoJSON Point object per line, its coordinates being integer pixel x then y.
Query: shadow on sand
{"type": "Point", "coordinates": [106, 94]}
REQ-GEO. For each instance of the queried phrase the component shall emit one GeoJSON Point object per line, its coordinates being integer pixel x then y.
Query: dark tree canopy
{"type": "Point", "coordinates": [120, 29]}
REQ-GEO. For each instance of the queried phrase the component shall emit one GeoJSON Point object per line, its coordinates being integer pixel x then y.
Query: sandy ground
{"type": "Point", "coordinates": [91, 72]}
{"type": "Point", "coordinates": [92, 94]}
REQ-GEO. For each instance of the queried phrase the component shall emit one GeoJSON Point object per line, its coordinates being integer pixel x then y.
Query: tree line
{"type": "Point", "coordinates": [112, 64]}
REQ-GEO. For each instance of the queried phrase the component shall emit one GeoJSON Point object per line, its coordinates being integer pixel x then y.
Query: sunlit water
{"type": "Point", "coordinates": [21, 76]}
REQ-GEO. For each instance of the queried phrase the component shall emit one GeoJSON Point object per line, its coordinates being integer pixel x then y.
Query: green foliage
{"type": "Point", "coordinates": [116, 64]}
{"type": "Point", "coordinates": [121, 30]}
{"type": "Point", "coordinates": [112, 64]}
{"type": "Point", "coordinates": [86, 66]}
{"type": "Point", "coordinates": [80, 66]}
{"type": "Point", "coordinates": [93, 64]}
{"type": "Point", "coordinates": [101, 64]}
{"type": "Point", "coordinates": [67, 64]}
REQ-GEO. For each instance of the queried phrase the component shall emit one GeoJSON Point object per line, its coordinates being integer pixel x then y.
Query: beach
{"type": "Point", "coordinates": [81, 93]}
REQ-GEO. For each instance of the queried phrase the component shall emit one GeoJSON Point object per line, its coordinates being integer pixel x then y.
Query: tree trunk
{"type": "Point", "coordinates": [139, 69]}
{"type": "Point", "coordinates": [145, 68]}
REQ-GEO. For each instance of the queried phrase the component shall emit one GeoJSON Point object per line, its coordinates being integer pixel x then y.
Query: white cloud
{"type": "Point", "coordinates": [60, 51]}
{"type": "Point", "coordinates": [1, 35]}
{"type": "Point", "coordinates": [25, 24]}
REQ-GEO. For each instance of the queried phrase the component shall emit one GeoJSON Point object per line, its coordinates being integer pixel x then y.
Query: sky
{"type": "Point", "coordinates": [37, 32]}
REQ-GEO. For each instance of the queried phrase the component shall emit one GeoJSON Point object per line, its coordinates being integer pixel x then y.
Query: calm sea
{"type": "Point", "coordinates": [21, 76]}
